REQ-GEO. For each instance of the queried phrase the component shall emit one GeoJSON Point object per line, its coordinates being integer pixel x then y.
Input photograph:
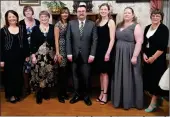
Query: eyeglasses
{"type": "Point", "coordinates": [157, 16]}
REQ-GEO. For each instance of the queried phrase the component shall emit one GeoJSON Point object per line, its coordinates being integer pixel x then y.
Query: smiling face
{"type": "Point", "coordinates": [64, 14]}
{"type": "Point", "coordinates": [128, 14]}
{"type": "Point", "coordinates": [104, 11]}
{"type": "Point", "coordinates": [12, 19]}
{"type": "Point", "coordinates": [156, 18]}
{"type": "Point", "coordinates": [28, 13]}
{"type": "Point", "coordinates": [81, 13]}
{"type": "Point", "coordinates": [44, 19]}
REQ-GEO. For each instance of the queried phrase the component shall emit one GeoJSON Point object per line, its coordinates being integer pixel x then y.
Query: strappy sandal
{"type": "Point", "coordinates": [98, 99]}
{"type": "Point", "coordinates": [103, 102]}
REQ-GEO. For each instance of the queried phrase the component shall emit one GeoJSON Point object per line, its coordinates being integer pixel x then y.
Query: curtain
{"type": "Point", "coordinates": [156, 4]}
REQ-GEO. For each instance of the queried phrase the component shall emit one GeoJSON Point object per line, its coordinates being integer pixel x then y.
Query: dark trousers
{"type": "Point", "coordinates": [81, 75]}
{"type": "Point", "coordinates": [63, 80]}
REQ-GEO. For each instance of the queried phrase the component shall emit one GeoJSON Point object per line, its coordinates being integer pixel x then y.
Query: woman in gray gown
{"type": "Point", "coordinates": [127, 86]}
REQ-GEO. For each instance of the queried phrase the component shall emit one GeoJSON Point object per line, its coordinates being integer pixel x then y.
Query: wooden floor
{"type": "Point", "coordinates": [28, 107]}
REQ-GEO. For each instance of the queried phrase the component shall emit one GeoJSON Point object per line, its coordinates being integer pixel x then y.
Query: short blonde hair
{"type": "Point", "coordinates": [44, 13]}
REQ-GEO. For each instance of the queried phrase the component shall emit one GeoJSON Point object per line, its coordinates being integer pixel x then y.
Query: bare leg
{"type": "Point", "coordinates": [105, 86]}
{"type": "Point", "coordinates": [101, 86]}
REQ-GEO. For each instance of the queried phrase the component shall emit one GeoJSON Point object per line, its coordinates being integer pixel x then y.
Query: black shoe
{"type": "Point", "coordinates": [66, 97]}
{"type": "Point", "coordinates": [46, 94]}
{"type": "Point", "coordinates": [61, 99]}
{"type": "Point", "coordinates": [12, 100]}
{"type": "Point", "coordinates": [87, 101]}
{"type": "Point", "coordinates": [39, 97]}
{"type": "Point", "coordinates": [75, 99]}
{"type": "Point", "coordinates": [28, 91]}
{"type": "Point", "coordinates": [18, 99]}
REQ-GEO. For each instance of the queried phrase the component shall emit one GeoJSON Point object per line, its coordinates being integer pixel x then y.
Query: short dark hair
{"type": "Point", "coordinates": [158, 11]}
{"type": "Point", "coordinates": [26, 8]}
{"type": "Point", "coordinates": [82, 6]}
{"type": "Point", "coordinates": [6, 17]}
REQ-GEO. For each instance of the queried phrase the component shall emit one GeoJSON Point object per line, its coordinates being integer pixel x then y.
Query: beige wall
{"type": "Point", "coordinates": [141, 9]}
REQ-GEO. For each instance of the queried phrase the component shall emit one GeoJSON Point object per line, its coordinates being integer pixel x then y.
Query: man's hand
{"type": "Point", "coordinates": [70, 58]}
{"type": "Point", "coordinates": [91, 59]}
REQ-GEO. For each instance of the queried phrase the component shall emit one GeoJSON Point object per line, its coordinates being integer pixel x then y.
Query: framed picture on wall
{"type": "Point", "coordinates": [124, 1]}
{"type": "Point", "coordinates": [30, 2]}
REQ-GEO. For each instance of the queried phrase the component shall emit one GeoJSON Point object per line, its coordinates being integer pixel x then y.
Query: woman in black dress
{"type": "Point", "coordinates": [60, 41]}
{"type": "Point", "coordinates": [14, 50]}
{"type": "Point", "coordinates": [43, 51]}
{"type": "Point", "coordinates": [106, 35]}
{"type": "Point", "coordinates": [155, 44]}
{"type": "Point", "coordinates": [28, 22]}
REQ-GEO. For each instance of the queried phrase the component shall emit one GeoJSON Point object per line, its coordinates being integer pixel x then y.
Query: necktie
{"type": "Point", "coordinates": [81, 29]}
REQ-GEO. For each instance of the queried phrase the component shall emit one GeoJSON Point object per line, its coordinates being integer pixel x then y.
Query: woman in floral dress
{"type": "Point", "coordinates": [42, 49]}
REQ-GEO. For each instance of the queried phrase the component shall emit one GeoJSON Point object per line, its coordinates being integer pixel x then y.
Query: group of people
{"type": "Point", "coordinates": [136, 60]}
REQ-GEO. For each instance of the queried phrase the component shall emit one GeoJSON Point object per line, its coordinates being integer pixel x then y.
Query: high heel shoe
{"type": "Point", "coordinates": [98, 99]}
{"type": "Point", "coordinates": [154, 107]}
{"type": "Point", "coordinates": [104, 102]}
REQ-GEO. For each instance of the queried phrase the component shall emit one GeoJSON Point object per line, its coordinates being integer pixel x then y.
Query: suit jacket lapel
{"type": "Point", "coordinates": [77, 28]}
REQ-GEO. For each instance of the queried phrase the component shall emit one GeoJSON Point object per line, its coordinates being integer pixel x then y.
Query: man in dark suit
{"type": "Point", "coordinates": [81, 42]}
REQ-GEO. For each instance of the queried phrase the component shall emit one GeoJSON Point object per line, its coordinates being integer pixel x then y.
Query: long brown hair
{"type": "Point", "coordinates": [6, 17]}
{"type": "Point", "coordinates": [64, 9]}
{"type": "Point", "coordinates": [100, 17]}
{"type": "Point", "coordinates": [134, 18]}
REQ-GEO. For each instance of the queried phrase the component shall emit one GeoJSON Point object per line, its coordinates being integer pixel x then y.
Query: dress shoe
{"type": "Point", "coordinates": [66, 97]}
{"type": "Point", "coordinates": [75, 99]}
{"type": "Point", "coordinates": [18, 99]}
{"type": "Point", "coordinates": [61, 99]}
{"type": "Point", "coordinates": [39, 97]}
{"type": "Point", "coordinates": [87, 101]}
{"type": "Point", "coordinates": [46, 94]}
{"type": "Point", "coordinates": [12, 100]}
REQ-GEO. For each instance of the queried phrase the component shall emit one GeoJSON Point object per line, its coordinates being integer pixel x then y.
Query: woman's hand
{"type": "Point", "coordinates": [59, 58]}
{"type": "Point", "coordinates": [151, 59]}
{"type": "Point", "coordinates": [145, 58]}
{"type": "Point", "coordinates": [134, 60]}
{"type": "Point", "coordinates": [2, 64]}
{"type": "Point", "coordinates": [107, 57]}
{"type": "Point", "coordinates": [34, 60]}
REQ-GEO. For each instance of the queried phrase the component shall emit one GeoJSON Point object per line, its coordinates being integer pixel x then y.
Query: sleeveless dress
{"type": "Point", "coordinates": [102, 46]}
{"type": "Point", "coordinates": [127, 83]}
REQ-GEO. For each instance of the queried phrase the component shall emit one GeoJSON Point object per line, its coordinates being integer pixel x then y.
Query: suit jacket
{"type": "Point", "coordinates": [87, 43]}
